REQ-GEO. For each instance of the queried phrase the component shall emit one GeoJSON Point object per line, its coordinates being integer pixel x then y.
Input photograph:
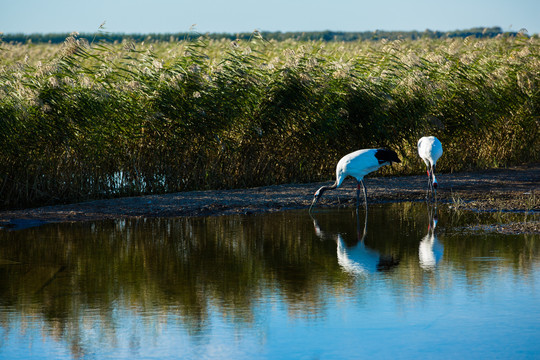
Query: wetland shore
{"type": "Point", "coordinates": [514, 189]}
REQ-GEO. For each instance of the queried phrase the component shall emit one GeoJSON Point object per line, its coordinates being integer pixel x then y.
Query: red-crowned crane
{"type": "Point", "coordinates": [430, 150]}
{"type": "Point", "coordinates": [358, 164]}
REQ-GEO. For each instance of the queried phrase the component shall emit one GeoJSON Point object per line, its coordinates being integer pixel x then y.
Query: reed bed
{"type": "Point", "coordinates": [86, 120]}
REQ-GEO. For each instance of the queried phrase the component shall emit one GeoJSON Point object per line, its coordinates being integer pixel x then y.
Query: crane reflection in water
{"type": "Point", "coordinates": [357, 259]}
{"type": "Point", "coordinates": [430, 250]}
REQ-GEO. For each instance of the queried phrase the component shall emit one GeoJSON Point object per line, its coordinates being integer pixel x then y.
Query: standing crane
{"type": "Point", "coordinates": [358, 164]}
{"type": "Point", "coordinates": [430, 150]}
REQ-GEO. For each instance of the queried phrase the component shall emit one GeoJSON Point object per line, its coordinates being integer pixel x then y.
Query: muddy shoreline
{"type": "Point", "coordinates": [511, 189]}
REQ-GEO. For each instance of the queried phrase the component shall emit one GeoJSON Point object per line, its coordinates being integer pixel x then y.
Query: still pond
{"type": "Point", "coordinates": [410, 282]}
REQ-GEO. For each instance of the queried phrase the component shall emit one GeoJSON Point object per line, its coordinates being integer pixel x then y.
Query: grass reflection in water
{"type": "Point", "coordinates": [82, 284]}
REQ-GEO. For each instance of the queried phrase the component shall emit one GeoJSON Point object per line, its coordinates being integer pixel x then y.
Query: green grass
{"type": "Point", "coordinates": [82, 121]}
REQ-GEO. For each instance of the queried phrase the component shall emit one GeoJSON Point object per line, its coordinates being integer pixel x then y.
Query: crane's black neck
{"type": "Point", "coordinates": [326, 187]}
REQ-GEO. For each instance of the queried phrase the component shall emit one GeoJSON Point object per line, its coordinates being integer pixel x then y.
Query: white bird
{"type": "Point", "coordinates": [358, 164]}
{"type": "Point", "coordinates": [430, 150]}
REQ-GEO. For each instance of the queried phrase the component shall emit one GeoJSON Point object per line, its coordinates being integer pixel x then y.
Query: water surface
{"type": "Point", "coordinates": [415, 284]}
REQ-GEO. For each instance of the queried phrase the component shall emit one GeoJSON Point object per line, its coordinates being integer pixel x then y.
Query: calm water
{"type": "Point", "coordinates": [272, 286]}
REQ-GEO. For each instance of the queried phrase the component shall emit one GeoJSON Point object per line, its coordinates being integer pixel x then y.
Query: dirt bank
{"type": "Point", "coordinates": [511, 189]}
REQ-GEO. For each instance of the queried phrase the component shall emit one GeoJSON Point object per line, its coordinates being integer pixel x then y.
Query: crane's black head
{"type": "Point", "coordinates": [387, 155]}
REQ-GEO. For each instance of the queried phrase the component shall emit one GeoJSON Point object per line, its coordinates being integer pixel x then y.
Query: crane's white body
{"type": "Point", "coordinates": [430, 150]}
{"type": "Point", "coordinates": [357, 164]}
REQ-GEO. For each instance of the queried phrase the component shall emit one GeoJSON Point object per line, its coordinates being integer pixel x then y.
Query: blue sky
{"type": "Point", "coordinates": [168, 16]}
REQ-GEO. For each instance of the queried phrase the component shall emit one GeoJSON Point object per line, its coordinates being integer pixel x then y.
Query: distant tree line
{"type": "Point", "coordinates": [56, 38]}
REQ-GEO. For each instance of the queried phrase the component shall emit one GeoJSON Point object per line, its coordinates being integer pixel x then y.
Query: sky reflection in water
{"type": "Point", "coordinates": [406, 283]}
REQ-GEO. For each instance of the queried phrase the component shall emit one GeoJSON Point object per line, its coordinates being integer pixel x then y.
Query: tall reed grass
{"type": "Point", "coordinates": [82, 121]}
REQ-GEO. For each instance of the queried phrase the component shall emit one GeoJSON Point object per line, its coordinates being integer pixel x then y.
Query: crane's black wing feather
{"type": "Point", "coordinates": [386, 155]}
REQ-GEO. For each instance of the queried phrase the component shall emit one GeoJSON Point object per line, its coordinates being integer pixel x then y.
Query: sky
{"type": "Point", "coordinates": [234, 16]}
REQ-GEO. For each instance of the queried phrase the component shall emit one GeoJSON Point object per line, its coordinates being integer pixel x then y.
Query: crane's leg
{"type": "Point", "coordinates": [428, 184]}
{"type": "Point", "coordinates": [361, 237]}
{"type": "Point", "coordinates": [429, 211]}
{"type": "Point", "coordinates": [432, 181]}
{"type": "Point", "coordinates": [365, 194]}
{"type": "Point", "coordinates": [357, 195]}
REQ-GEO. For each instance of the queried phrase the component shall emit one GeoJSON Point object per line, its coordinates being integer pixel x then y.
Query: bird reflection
{"type": "Point", "coordinates": [359, 259]}
{"type": "Point", "coordinates": [430, 250]}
